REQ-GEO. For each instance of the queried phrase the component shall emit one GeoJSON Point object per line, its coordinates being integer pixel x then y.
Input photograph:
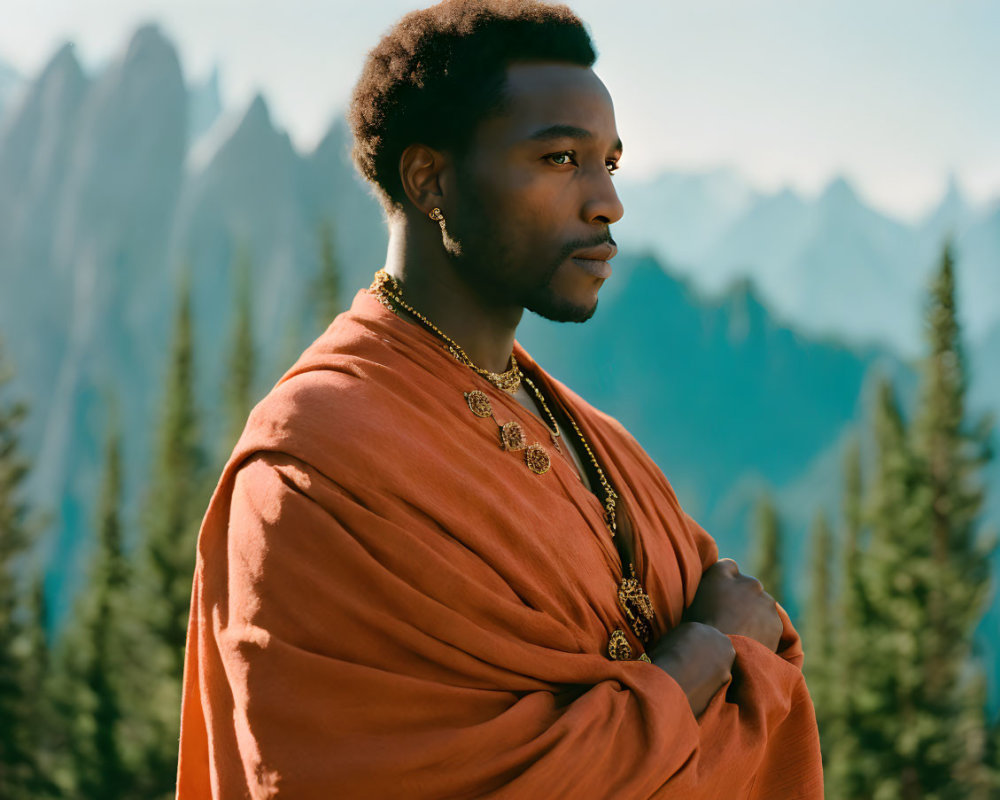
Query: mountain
{"type": "Point", "coordinates": [978, 272]}
{"type": "Point", "coordinates": [204, 105]}
{"type": "Point", "coordinates": [108, 188]}
{"type": "Point", "coordinates": [680, 215]}
{"type": "Point", "coordinates": [829, 264]}
{"type": "Point", "coordinates": [11, 83]}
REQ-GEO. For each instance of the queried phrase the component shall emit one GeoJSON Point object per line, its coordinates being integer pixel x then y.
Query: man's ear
{"type": "Point", "coordinates": [422, 171]}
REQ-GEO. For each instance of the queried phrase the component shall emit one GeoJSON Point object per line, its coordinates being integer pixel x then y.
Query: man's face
{"type": "Point", "coordinates": [535, 188]}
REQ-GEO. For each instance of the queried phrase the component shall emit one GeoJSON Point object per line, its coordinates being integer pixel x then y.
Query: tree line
{"type": "Point", "coordinates": [893, 602]}
{"type": "Point", "coordinates": [93, 710]}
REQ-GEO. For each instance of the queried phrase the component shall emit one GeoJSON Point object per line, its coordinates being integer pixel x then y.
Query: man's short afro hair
{"type": "Point", "coordinates": [440, 71]}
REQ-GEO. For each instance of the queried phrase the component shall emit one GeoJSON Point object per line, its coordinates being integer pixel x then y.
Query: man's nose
{"type": "Point", "coordinates": [603, 204]}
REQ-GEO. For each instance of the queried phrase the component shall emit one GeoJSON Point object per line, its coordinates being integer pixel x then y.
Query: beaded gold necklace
{"type": "Point", "coordinates": [632, 598]}
{"type": "Point", "coordinates": [387, 291]}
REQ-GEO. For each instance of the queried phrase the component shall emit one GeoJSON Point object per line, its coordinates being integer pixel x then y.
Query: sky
{"type": "Point", "coordinates": [896, 95]}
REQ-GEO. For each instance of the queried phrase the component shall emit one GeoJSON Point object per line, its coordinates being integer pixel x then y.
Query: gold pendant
{"type": "Point", "coordinates": [479, 403]}
{"type": "Point", "coordinates": [618, 647]}
{"type": "Point", "coordinates": [512, 436]}
{"type": "Point", "coordinates": [637, 606]}
{"type": "Point", "coordinates": [537, 459]}
{"type": "Point", "coordinates": [620, 650]}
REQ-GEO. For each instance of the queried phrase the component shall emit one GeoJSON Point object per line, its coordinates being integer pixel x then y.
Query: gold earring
{"type": "Point", "coordinates": [436, 215]}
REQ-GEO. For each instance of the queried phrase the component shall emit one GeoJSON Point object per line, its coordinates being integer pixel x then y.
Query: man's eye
{"type": "Point", "coordinates": [612, 167]}
{"type": "Point", "coordinates": [568, 155]}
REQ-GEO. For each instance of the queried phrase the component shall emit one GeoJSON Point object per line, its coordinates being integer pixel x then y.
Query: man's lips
{"type": "Point", "coordinates": [602, 252]}
{"type": "Point", "coordinates": [594, 260]}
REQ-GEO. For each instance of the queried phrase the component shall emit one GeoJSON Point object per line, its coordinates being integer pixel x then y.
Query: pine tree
{"type": "Point", "coordinates": [890, 712]}
{"type": "Point", "coordinates": [953, 452]}
{"type": "Point", "coordinates": [841, 744]}
{"type": "Point", "coordinates": [100, 764]}
{"type": "Point", "coordinates": [238, 386]}
{"type": "Point", "coordinates": [914, 725]}
{"type": "Point", "coordinates": [43, 737]}
{"type": "Point", "coordinates": [177, 497]}
{"type": "Point", "coordinates": [19, 767]}
{"type": "Point", "coordinates": [766, 561]}
{"type": "Point", "coordinates": [818, 632]}
{"type": "Point", "coordinates": [329, 301]}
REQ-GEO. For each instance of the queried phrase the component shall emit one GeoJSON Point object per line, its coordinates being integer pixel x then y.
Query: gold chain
{"type": "Point", "coordinates": [387, 291]}
{"type": "Point", "coordinates": [632, 598]}
{"type": "Point", "coordinates": [610, 496]}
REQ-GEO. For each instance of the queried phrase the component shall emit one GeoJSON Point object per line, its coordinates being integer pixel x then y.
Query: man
{"type": "Point", "coordinates": [429, 569]}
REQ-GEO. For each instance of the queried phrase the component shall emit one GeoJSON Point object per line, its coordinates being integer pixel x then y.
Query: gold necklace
{"type": "Point", "coordinates": [632, 598]}
{"type": "Point", "coordinates": [387, 291]}
{"type": "Point", "coordinates": [610, 496]}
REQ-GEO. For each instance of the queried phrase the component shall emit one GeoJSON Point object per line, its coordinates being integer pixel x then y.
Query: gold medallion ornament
{"type": "Point", "coordinates": [479, 403]}
{"type": "Point", "coordinates": [512, 436]}
{"type": "Point", "coordinates": [389, 293]}
{"type": "Point", "coordinates": [618, 647]}
{"type": "Point", "coordinates": [620, 650]}
{"type": "Point", "coordinates": [537, 459]}
{"type": "Point", "coordinates": [637, 606]}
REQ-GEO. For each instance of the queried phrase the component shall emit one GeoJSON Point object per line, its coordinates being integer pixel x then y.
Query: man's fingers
{"type": "Point", "coordinates": [727, 567]}
{"type": "Point", "coordinates": [755, 584]}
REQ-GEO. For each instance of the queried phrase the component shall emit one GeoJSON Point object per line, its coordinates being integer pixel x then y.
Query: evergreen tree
{"type": "Point", "coordinates": [19, 768]}
{"type": "Point", "coordinates": [818, 632]}
{"type": "Point", "coordinates": [766, 561]}
{"type": "Point", "coordinates": [238, 386]}
{"type": "Point", "coordinates": [914, 725]}
{"type": "Point", "coordinates": [890, 713]}
{"type": "Point", "coordinates": [43, 737]}
{"type": "Point", "coordinates": [953, 452]}
{"type": "Point", "coordinates": [328, 292]}
{"type": "Point", "coordinates": [841, 744]}
{"type": "Point", "coordinates": [177, 497]}
{"type": "Point", "coordinates": [100, 765]}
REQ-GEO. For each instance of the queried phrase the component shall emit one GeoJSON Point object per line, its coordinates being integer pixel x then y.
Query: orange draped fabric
{"type": "Point", "coordinates": [388, 604]}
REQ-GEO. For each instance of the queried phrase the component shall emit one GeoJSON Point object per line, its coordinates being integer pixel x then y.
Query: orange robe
{"type": "Point", "coordinates": [388, 604]}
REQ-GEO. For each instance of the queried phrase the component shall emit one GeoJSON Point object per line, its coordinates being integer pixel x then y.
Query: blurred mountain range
{"type": "Point", "coordinates": [10, 83]}
{"type": "Point", "coordinates": [829, 265]}
{"type": "Point", "coordinates": [738, 338]}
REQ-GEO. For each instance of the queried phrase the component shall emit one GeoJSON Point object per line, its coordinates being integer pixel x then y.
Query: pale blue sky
{"type": "Point", "coordinates": [893, 93]}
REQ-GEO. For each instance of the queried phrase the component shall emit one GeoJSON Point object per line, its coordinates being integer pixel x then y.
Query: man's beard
{"type": "Point", "coordinates": [481, 255]}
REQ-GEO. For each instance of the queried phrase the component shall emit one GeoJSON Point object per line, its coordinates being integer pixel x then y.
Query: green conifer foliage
{"type": "Point", "coordinates": [765, 565]}
{"type": "Point", "coordinates": [18, 763]}
{"type": "Point", "coordinates": [101, 769]}
{"type": "Point", "coordinates": [952, 450]}
{"type": "Point", "coordinates": [887, 693]}
{"type": "Point", "coordinates": [241, 363]}
{"type": "Point", "coordinates": [840, 745]}
{"type": "Point", "coordinates": [913, 723]}
{"type": "Point", "coordinates": [177, 498]}
{"type": "Point", "coordinates": [328, 289]}
{"type": "Point", "coordinates": [177, 492]}
{"type": "Point", "coordinates": [818, 631]}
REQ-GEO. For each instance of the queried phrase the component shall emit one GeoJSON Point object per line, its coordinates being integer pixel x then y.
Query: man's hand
{"type": "Point", "coordinates": [699, 658]}
{"type": "Point", "coordinates": [735, 604]}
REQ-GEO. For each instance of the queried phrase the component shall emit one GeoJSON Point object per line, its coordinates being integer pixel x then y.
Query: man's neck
{"type": "Point", "coordinates": [418, 261]}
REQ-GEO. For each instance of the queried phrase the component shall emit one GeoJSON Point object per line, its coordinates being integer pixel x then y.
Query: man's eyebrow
{"type": "Point", "coordinates": [565, 132]}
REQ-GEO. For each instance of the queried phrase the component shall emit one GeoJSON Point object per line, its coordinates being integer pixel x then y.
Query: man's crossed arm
{"type": "Point", "coordinates": [698, 653]}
